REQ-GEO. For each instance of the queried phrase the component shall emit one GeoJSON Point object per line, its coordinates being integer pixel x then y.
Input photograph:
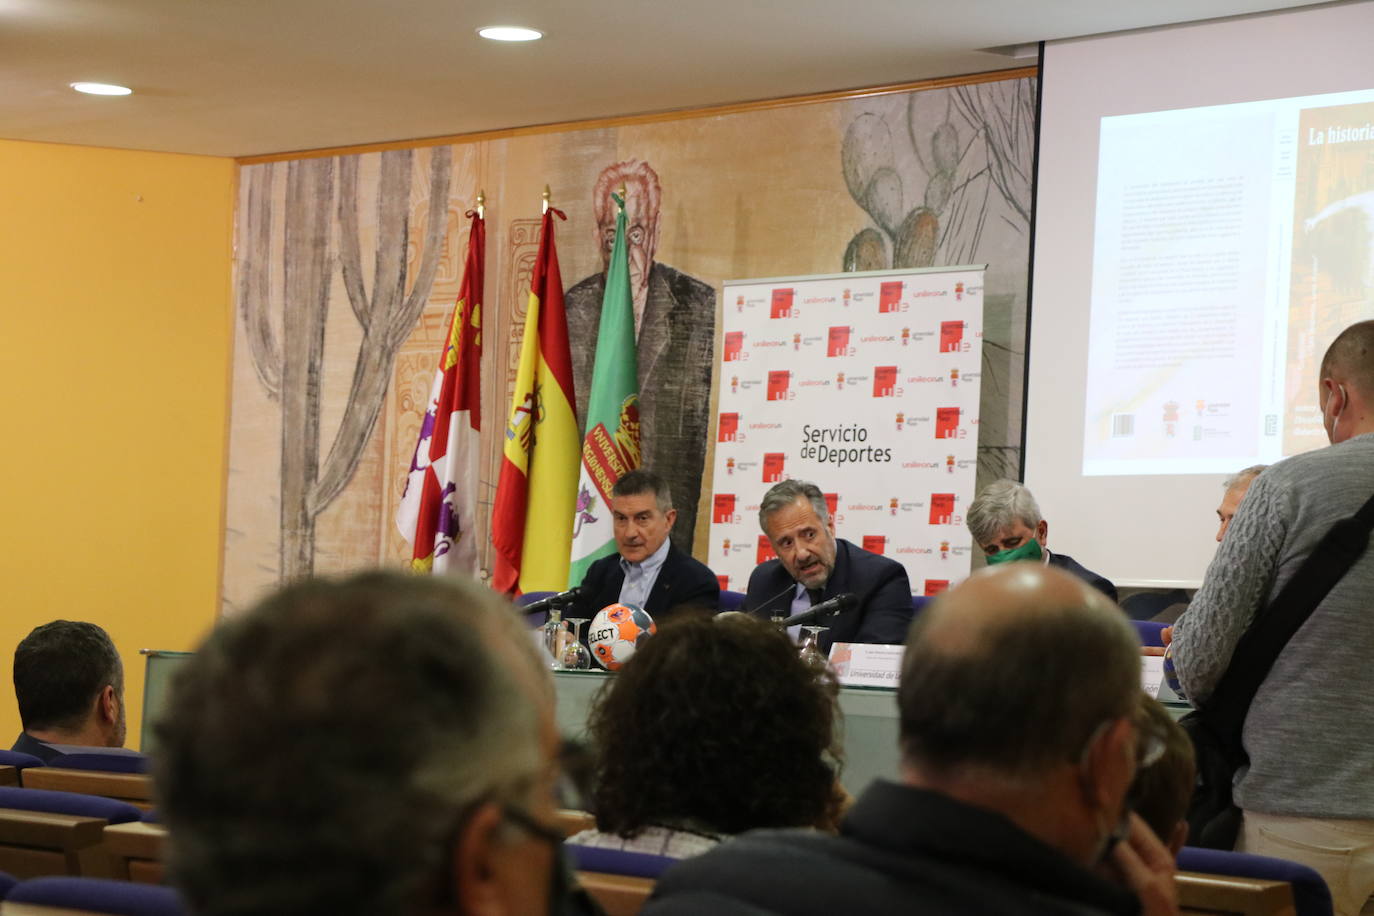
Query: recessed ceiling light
{"type": "Point", "coordinates": [510, 33]}
{"type": "Point", "coordinates": [101, 89]}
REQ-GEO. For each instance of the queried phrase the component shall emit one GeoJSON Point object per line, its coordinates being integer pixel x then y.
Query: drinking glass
{"type": "Point", "coordinates": [576, 657]}
{"type": "Point", "coordinates": [555, 633]}
{"type": "Point", "coordinates": [809, 647]}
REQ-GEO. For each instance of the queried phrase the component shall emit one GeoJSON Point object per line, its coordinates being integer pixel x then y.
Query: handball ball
{"type": "Point", "coordinates": [617, 630]}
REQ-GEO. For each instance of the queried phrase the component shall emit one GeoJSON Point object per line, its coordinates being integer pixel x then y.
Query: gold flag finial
{"type": "Point", "coordinates": [482, 204]}
{"type": "Point", "coordinates": [547, 195]}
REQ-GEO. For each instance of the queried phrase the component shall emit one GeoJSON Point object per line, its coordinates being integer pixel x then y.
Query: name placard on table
{"type": "Point", "coordinates": [866, 665]}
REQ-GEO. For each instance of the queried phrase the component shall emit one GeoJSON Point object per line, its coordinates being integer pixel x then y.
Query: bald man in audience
{"type": "Point", "coordinates": [380, 745]}
{"type": "Point", "coordinates": [69, 683]}
{"type": "Point", "coordinates": [1236, 485]}
{"type": "Point", "coordinates": [1307, 793]}
{"type": "Point", "coordinates": [1020, 739]}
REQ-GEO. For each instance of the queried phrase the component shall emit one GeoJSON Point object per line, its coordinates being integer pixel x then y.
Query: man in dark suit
{"type": "Point", "coordinates": [647, 570]}
{"type": "Point", "coordinates": [813, 566]}
{"type": "Point", "coordinates": [69, 681]}
{"type": "Point", "coordinates": [1005, 522]}
{"type": "Point", "coordinates": [675, 327]}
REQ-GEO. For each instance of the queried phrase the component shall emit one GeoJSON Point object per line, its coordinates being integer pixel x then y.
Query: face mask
{"type": "Point", "coordinates": [1027, 551]}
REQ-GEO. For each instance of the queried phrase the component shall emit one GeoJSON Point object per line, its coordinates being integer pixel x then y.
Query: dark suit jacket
{"type": "Point", "coordinates": [1067, 563]}
{"type": "Point", "coordinates": [675, 352]}
{"type": "Point", "coordinates": [682, 581]}
{"type": "Point", "coordinates": [27, 744]}
{"type": "Point", "coordinates": [880, 585]}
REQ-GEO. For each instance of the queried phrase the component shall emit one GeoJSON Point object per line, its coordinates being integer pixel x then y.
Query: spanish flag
{"type": "Point", "coordinates": [531, 526]}
{"type": "Point", "coordinates": [439, 506]}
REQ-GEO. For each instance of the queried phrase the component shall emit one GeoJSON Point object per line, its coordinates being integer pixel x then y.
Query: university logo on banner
{"type": "Point", "coordinates": [946, 423]}
{"type": "Point", "coordinates": [723, 509]}
{"type": "Point", "coordinates": [832, 503]}
{"type": "Point", "coordinates": [778, 382]}
{"type": "Point", "coordinates": [773, 465]}
{"type": "Point", "coordinates": [890, 297]}
{"type": "Point", "coordinates": [837, 341]}
{"type": "Point", "coordinates": [781, 306]}
{"type": "Point", "coordinates": [764, 553]}
{"type": "Point", "coordinates": [875, 543]}
{"type": "Point", "coordinates": [942, 508]}
{"type": "Point", "coordinates": [734, 346]}
{"type": "Point", "coordinates": [934, 587]}
{"type": "Point", "coordinates": [727, 430]}
{"type": "Point", "coordinates": [884, 381]}
{"type": "Point", "coordinates": [951, 337]}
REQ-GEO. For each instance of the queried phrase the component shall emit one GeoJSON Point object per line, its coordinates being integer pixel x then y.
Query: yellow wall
{"type": "Point", "coordinates": [114, 354]}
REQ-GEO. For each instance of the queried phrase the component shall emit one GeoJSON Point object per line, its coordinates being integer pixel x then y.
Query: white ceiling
{"type": "Point", "coordinates": [245, 77]}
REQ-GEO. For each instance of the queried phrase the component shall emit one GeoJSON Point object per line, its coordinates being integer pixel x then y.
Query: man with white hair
{"type": "Point", "coordinates": [1235, 487]}
{"type": "Point", "coordinates": [1006, 523]}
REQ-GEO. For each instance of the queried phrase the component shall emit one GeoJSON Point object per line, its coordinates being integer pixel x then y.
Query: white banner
{"type": "Point", "coordinates": [867, 385]}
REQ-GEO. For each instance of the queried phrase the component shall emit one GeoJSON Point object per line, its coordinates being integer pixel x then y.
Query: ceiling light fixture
{"type": "Point", "coordinates": [101, 89]}
{"type": "Point", "coordinates": [510, 33]}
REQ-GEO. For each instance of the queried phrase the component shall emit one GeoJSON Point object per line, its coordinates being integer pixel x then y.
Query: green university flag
{"type": "Point", "coordinates": [610, 448]}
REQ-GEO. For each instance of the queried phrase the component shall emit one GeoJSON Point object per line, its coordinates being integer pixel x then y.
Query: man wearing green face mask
{"type": "Point", "coordinates": [1006, 524]}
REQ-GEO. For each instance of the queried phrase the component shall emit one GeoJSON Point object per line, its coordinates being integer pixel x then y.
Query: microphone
{"type": "Point", "coordinates": [562, 599]}
{"type": "Point", "coordinates": [838, 604]}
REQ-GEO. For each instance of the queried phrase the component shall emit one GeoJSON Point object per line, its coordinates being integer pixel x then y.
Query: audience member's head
{"type": "Point", "coordinates": [1346, 386]}
{"type": "Point", "coordinates": [1163, 789]}
{"type": "Point", "coordinates": [69, 682]}
{"type": "Point", "coordinates": [794, 516]}
{"type": "Point", "coordinates": [1006, 523]}
{"type": "Point", "coordinates": [1018, 693]}
{"type": "Point", "coordinates": [716, 724]}
{"type": "Point", "coordinates": [1235, 487]}
{"type": "Point", "coordinates": [378, 745]}
{"type": "Point", "coordinates": [642, 514]}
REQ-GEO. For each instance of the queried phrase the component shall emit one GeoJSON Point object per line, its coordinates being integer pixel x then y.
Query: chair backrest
{"type": "Point", "coordinates": [104, 763]}
{"type": "Point", "coordinates": [1311, 896]}
{"type": "Point", "coordinates": [619, 895]}
{"type": "Point", "coordinates": [1225, 895]}
{"type": "Point", "coordinates": [1148, 630]}
{"type": "Point", "coordinates": [91, 895]}
{"type": "Point", "coordinates": [53, 802]}
{"type": "Point", "coordinates": [731, 601]}
{"type": "Point", "coordinates": [619, 861]}
{"type": "Point", "coordinates": [7, 881]}
{"type": "Point", "coordinates": [131, 788]}
{"type": "Point", "coordinates": [19, 760]}
{"type": "Point", "coordinates": [136, 852]}
{"type": "Point", "coordinates": [34, 843]}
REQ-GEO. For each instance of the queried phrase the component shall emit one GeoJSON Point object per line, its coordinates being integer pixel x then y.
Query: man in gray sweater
{"type": "Point", "coordinates": [1308, 794]}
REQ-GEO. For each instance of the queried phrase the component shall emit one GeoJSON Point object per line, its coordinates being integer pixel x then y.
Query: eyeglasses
{"type": "Point", "coordinates": [1150, 741]}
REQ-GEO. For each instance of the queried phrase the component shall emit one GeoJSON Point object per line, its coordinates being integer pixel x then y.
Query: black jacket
{"type": "Point", "coordinates": [900, 850]}
{"type": "Point", "coordinates": [682, 581]}
{"type": "Point", "coordinates": [1070, 565]}
{"type": "Point", "coordinates": [879, 584]}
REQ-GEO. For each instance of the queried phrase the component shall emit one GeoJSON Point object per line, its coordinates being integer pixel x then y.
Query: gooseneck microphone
{"type": "Point", "coordinates": [836, 605]}
{"type": "Point", "coordinates": [560, 600]}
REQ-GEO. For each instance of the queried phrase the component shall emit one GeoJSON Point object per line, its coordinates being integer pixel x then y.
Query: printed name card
{"type": "Point", "coordinates": [865, 665]}
{"type": "Point", "coordinates": [1152, 674]}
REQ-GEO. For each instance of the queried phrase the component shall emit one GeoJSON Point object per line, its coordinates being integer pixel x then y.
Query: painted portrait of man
{"type": "Point", "coordinates": [675, 325]}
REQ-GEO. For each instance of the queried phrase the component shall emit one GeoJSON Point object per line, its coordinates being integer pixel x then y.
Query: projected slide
{"type": "Point", "coordinates": [1230, 244]}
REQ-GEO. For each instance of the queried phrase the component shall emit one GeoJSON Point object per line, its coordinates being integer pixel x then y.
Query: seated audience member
{"type": "Point", "coordinates": [1006, 523]}
{"type": "Point", "coordinates": [379, 745]}
{"type": "Point", "coordinates": [69, 683]}
{"type": "Point", "coordinates": [1235, 488]}
{"type": "Point", "coordinates": [714, 727]}
{"type": "Point", "coordinates": [1019, 741]}
{"type": "Point", "coordinates": [812, 566]}
{"type": "Point", "coordinates": [646, 570]}
{"type": "Point", "coordinates": [1163, 789]}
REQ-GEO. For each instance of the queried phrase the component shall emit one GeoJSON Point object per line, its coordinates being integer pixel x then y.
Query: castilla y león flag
{"type": "Point", "coordinates": [531, 526]}
{"type": "Point", "coordinates": [439, 506]}
{"type": "Point", "coordinates": [610, 448]}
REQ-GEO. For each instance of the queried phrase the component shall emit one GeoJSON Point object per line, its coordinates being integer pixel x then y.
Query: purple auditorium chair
{"type": "Point", "coordinates": [18, 761]}
{"type": "Point", "coordinates": [1311, 897]}
{"type": "Point", "coordinates": [1148, 630]}
{"type": "Point", "coordinates": [115, 812]}
{"type": "Point", "coordinates": [104, 763]}
{"type": "Point", "coordinates": [618, 861]}
{"type": "Point", "coordinates": [529, 598]}
{"type": "Point", "coordinates": [731, 601]}
{"type": "Point", "coordinates": [7, 882]}
{"type": "Point", "coordinates": [98, 895]}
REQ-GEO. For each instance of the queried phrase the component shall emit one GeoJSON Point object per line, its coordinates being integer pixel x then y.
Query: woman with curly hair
{"type": "Point", "coordinates": [714, 727]}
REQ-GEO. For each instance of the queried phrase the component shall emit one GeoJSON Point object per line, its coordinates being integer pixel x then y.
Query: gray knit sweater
{"type": "Point", "coordinates": [1310, 731]}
